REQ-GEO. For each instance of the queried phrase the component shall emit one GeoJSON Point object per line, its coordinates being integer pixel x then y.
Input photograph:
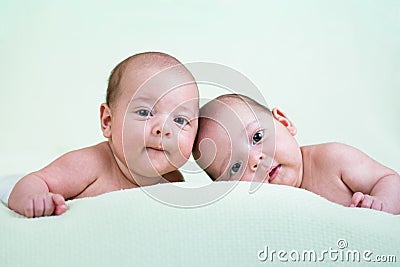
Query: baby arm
{"type": "Point", "coordinates": [31, 197]}
{"type": "Point", "coordinates": [374, 185]}
{"type": "Point", "coordinates": [384, 195]}
{"type": "Point", "coordinates": [43, 193]}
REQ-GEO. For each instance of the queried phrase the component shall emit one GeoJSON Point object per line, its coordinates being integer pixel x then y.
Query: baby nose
{"type": "Point", "coordinates": [254, 160]}
{"type": "Point", "coordinates": [161, 128]}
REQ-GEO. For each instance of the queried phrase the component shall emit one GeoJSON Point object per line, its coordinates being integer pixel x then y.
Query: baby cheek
{"type": "Point", "coordinates": [133, 142]}
{"type": "Point", "coordinates": [185, 144]}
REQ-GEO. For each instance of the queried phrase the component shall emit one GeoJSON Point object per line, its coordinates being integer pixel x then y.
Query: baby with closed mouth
{"type": "Point", "coordinates": [240, 139]}
{"type": "Point", "coordinates": [150, 123]}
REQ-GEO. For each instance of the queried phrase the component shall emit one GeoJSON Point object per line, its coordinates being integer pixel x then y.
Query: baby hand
{"type": "Point", "coordinates": [366, 201]}
{"type": "Point", "coordinates": [45, 204]}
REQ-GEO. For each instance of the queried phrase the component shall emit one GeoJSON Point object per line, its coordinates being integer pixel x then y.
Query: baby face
{"type": "Point", "coordinates": [156, 121]}
{"type": "Point", "coordinates": [246, 142]}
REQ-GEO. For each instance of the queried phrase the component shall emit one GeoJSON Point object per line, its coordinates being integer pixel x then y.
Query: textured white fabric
{"type": "Point", "coordinates": [130, 228]}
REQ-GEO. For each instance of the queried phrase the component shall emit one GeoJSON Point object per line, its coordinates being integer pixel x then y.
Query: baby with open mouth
{"type": "Point", "coordinates": [240, 139]}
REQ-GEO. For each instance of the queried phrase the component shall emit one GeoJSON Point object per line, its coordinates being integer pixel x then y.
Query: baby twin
{"type": "Point", "coordinates": [152, 121]}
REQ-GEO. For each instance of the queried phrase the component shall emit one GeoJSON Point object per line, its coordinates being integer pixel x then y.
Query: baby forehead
{"type": "Point", "coordinates": [211, 128]}
{"type": "Point", "coordinates": [221, 134]}
{"type": "Point", "coordinates": [156, 78]}
{"type": "Point", "coordinates": [179, 93]}
{"type": "Point", "coordinates": [156, 73]}
{"type": "Point", "coordinates": [172, 91]}
{"type": "Point", "coordinates": [229, 104]}
{"type": "Point", "coordinates": [231, 116]}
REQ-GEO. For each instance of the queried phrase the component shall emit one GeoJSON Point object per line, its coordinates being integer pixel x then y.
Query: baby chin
{"type": "Point", "coordinates": [285, 176]}
{"type": "Point", "coordinates": [161, 161]}
{"type": "Point", "coordinates": [277, 174]}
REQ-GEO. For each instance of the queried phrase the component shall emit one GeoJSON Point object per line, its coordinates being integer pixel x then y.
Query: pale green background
{"type": "Point", "coordinates": [333, 66]}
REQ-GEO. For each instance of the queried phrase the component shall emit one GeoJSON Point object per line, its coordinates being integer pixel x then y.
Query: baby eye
{"type": "Point", "coordinates": [181, 121]}
{"type": "Point", "coordinates": [257, 137]}
{"type": "Point", "coordinates": [144, 113]}
{"type": "Point", "coordinates": [235, 168]}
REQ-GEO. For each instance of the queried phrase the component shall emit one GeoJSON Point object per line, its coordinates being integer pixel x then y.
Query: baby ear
{"type": "Point", "coordinates": [105, 119]}
{"type": "Point", "coordinates": [281, 117]}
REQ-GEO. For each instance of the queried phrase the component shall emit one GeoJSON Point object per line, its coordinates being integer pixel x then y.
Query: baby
{"type": "Point", "coordinates": [150, 121]}
{"type": "Point", "coordinates": [239, 139]}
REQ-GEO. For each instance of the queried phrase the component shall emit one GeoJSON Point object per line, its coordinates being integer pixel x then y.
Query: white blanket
{"type": "Point", "coordinates": [131, 228]}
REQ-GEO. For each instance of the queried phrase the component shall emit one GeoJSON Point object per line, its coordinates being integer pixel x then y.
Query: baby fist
{"type": "Point", "coordinates": [366, 201]}
{"type": "Point", "coordinates": [45, 205]}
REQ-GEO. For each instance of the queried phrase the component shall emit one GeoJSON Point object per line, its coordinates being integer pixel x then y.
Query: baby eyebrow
{"type": "Point", "coordinates": [220, 169]}
{"type": "Point", "coordinates": [140, 102]}
{"type": "Point", "coordinates": [247, 127]}
{"type": "Point", "coordinates": [224, 166]}
{"type": "Point", "coordinates": [185, 109]}
{"type": "Point", "coordinates": [142, 98]}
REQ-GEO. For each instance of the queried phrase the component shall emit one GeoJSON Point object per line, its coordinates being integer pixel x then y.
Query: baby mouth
{"type": "Point", "coordinates": [157, 148]}
{"type": "Point", "coordinates": [273, 173]}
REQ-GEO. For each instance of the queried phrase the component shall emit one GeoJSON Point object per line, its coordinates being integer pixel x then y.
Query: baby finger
{"type": "Point", "coordinates": [356, 199]}
{"type": "Point", "coordinates": [38, 206]}
{"type": "Point", "coordinates": [367, 202]}
{"type": "Point", "coordinates": [48, 206]}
